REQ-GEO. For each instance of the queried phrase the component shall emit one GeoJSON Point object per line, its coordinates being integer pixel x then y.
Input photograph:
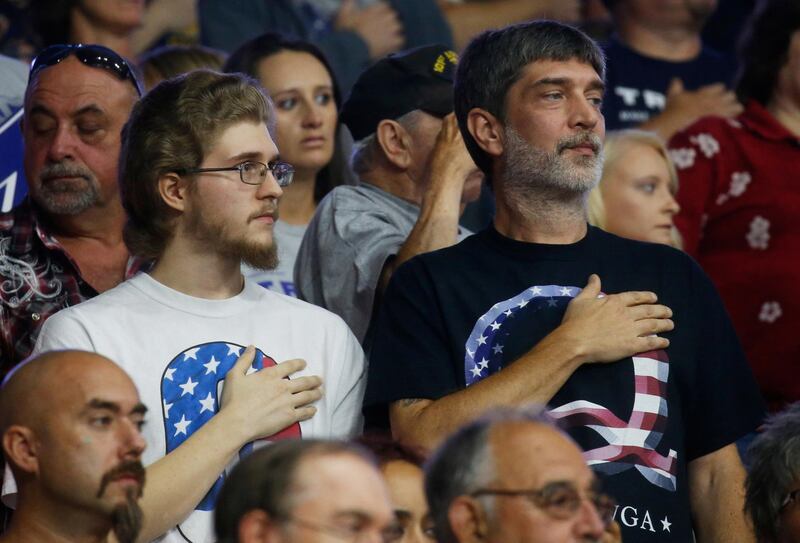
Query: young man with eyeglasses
{"type": "Point", "coordinates": [517, 314]}
{"type": "Point", "coordinates": [63, 243]}
{"type": "Point", "coordinates": [309, 491]}
{"type": "Point", "coordinates": [200, 179]}
{"type": "Point", "coordinates": [513, 475]}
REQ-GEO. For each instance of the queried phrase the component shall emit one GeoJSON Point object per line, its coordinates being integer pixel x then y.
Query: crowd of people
{"type": "Point", "coordinates": [396, 270]}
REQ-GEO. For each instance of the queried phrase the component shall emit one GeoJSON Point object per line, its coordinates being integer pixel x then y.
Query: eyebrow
{"type": "Point", "coordinates": [402, 514]}
{"type": "Point", "coordinates": [96, 403]}
{"type": "Point", "coordinates": [252, 155]}
{"type": "Point", "coordinates": [595, 84]}
{"type": "Point", "coordinates": [91, 109]}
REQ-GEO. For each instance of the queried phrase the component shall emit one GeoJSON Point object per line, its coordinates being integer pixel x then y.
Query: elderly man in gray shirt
{"type": "Point", "coordinates": [416, 177]}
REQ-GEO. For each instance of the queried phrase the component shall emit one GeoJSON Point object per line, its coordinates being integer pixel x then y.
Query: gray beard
{"type": "Point", "coordinates": [532, 175]}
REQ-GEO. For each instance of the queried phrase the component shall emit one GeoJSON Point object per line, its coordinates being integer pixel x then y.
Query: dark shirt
{"type": "Point", "coordinates": [453, 317]}
{"type": "Point", "coordinates": [637, 85]}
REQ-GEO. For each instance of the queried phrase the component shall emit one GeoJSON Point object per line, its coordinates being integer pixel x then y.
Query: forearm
{"type": "Point", "coordinates": [469, 19]}
{"type": "Point", "coordinates": [716, 484]}
{"type": "Point", "coordinates": [176, 483]}
{"type": "Point", "coordinates": [534, 378]}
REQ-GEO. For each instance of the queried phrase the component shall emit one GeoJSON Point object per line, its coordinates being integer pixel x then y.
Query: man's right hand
{"type": "Point", "coordinates": [265, 402]}
{"type": "Point", "coordinates": [615, 326]}
{"type": "Point", "coordinates": [378, 25]}
{"type": "Point", "coordinates": [451, 163]}
{"type": "Point", "coordinates": [684, 107]}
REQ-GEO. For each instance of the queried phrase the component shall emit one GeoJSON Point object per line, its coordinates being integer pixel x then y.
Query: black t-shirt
{"type": "Point", "coordinates": [637, 85]}
{"type": "Point", "coordinates": [454, 316]}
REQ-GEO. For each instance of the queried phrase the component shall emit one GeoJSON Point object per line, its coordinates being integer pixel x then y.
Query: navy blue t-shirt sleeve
{"type": "Point", "coordinates": [410, 354]}
{"type": "Point", "coordinates": [725, 403]}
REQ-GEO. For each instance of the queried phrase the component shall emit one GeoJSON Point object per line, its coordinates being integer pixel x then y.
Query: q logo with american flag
{"type": "Point", "coordinates": [631, 444]}
{"type": "Point", "coordinates": [191, 391]}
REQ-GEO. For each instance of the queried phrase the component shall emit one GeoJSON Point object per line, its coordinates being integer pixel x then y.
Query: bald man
{"type": "Point", "coordinates": [70, 423]}
{"type": "Point", "coordinates": [514, 476]}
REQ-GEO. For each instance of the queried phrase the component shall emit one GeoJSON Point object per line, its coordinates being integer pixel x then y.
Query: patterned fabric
{"type": "Point", "coordinates": [37, 279]}
{"type": "Point", "coordinates": [740, 202]}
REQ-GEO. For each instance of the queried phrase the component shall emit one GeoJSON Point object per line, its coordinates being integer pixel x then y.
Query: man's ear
{"type": "Point", "coordinates": [486, 130]}
{"type": "Point", "coordinates": [395, 142]}
{"type": "Point", "coordinates": [173, 188]}
{"type": "Point", "coordinates": [256, 526]}
{"type": "Point", "coordinates": [21, 448]}
{"type": "Point", "coordinates": [468, 520]}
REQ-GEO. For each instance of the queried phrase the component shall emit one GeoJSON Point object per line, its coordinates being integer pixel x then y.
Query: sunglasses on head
{"type": "Point", "coordinates": [95, 56]}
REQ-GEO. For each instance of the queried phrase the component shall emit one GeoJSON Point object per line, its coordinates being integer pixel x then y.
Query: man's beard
{"type": "Point", "coordinates": [61, 197]}
{"type": "Point", "coordinates": [126, 518]}
{"type": "Point", "coordinates": [529, 170]}
{"type": "Point", "coordinates": [217, 238]}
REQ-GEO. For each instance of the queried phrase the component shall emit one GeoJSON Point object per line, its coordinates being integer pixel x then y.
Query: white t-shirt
{"type": "Point", "coordinates": [281, 279]}
{"type": "Point", "coordinates": [177, 349]}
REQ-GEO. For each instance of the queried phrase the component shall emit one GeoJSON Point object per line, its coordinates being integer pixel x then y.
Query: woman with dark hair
{"type": "Point", "coordinates": [300, 81]}
{"type": "Point", "coordinates": [740, 199]}
{"type": "Point", "coordinates": [401, 468]}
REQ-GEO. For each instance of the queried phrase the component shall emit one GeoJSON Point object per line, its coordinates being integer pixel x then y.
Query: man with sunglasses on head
{"type": "Point", "coordinates": [63, 243]}
{"type": "Point", "coordinates": [513, 475]}
{"type": "Point", "coordinates": [225, 363]}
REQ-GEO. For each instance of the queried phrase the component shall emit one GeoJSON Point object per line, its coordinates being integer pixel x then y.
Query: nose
{"type": "Point", "coordinates": [269, 188]}
{"type": "Point", "coordinates": [62, 145]}
{"type": "Point", "coordinates": [671, 205]}
{"type": "Point", "coordinates": [312, 116]}
{"type": "Point", "coordinates": [588, 523]}
{"type": "Point", "coordinates": [585, 114]}
{"type": "Point", "coordinates": [132, 440]}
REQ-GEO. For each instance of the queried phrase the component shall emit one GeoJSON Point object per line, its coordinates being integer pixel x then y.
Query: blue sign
{"type": "Point", "coordinates": [12, 179]}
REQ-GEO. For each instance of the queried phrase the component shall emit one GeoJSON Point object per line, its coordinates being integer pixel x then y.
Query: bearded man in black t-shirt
{"type": "Point", "coordinates": [657, 417]}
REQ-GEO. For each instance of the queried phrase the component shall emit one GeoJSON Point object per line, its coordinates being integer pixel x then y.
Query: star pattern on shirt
{"type": "Point", "coordinates": [182, 425]}
{"type": "Point", "coordinates": [484, 343]}
{"type": "Point", "coordinates": [211, 366]}
{"type": "Point", "coordinates": [190, 354]}
{"type": "Point", "coordinates": [207, 403]}
{"type": "Point", "coordinates": [188, 387]}
{"type": "Point", "coordinates": [665, 525]}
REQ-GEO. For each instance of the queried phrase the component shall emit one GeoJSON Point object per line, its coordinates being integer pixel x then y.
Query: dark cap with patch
{"type": "Point", "coordinates": [420, 78]}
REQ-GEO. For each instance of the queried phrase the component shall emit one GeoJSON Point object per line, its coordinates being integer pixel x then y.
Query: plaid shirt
{"type": "Point", "coordinates": [37, 279]}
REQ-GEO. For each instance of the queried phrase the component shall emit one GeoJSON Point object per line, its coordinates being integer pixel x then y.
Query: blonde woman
{"type": "Point", "coordinates": [636, 195]}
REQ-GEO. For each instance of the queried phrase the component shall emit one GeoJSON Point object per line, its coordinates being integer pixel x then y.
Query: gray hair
{"type": "Point", "coordinates": [367, 150]}
{"type": "Point", "coordinates": [775, 468]}
{"type": "Point", "coordinates": [464, 463]}
{"type": "Point", "coordinates": [495, 59]}
{"type": "Point", "coordinates": [266, 480]}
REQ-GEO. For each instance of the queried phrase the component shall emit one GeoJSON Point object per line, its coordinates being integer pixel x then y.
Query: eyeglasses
{"type": "Point", "coordinates": [351, 534]}
{"type": "Point", "coordinates": [560, 500]}
{"type": "Point", "coordinates": [791, 497]}
{"type": "Point", "coordinates": [253, 172]}
{"type": "Point", "coordinates": [96, 56]}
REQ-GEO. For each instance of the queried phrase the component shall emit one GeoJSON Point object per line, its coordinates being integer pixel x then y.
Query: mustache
{"type": "Point", "coordinates": [65, 169]}
{"type": "Point", "coordinates": [583, 138]}
{"type": "Point", "coordinates": [269, 210]}
{"type": "Point", "coordinates": [132, 468]}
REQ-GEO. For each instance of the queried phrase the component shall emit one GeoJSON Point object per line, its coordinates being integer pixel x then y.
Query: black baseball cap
{"type": "Point", "coordinates": [419, 78]}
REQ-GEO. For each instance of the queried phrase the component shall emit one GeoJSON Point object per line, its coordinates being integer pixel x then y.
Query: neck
{"type": "Point", "coordinates": [189, 267]}
{"type": "Point", "coordinates": [83, 30]}
{"type": "Point", "coordinates": [675, 43]}
{"type": "Point", "coordinates": [395, 182]}
{"type": "Point", "coordinates": [545, 216]}
{"type": "Point", "coordinates": [786, 110]}
{"type": "Point", "coordinates": [297, 204]}
{"type": "Point", "coordinates": [55, 526]}
{"type": "Point", "coordinates": [103, 224]}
